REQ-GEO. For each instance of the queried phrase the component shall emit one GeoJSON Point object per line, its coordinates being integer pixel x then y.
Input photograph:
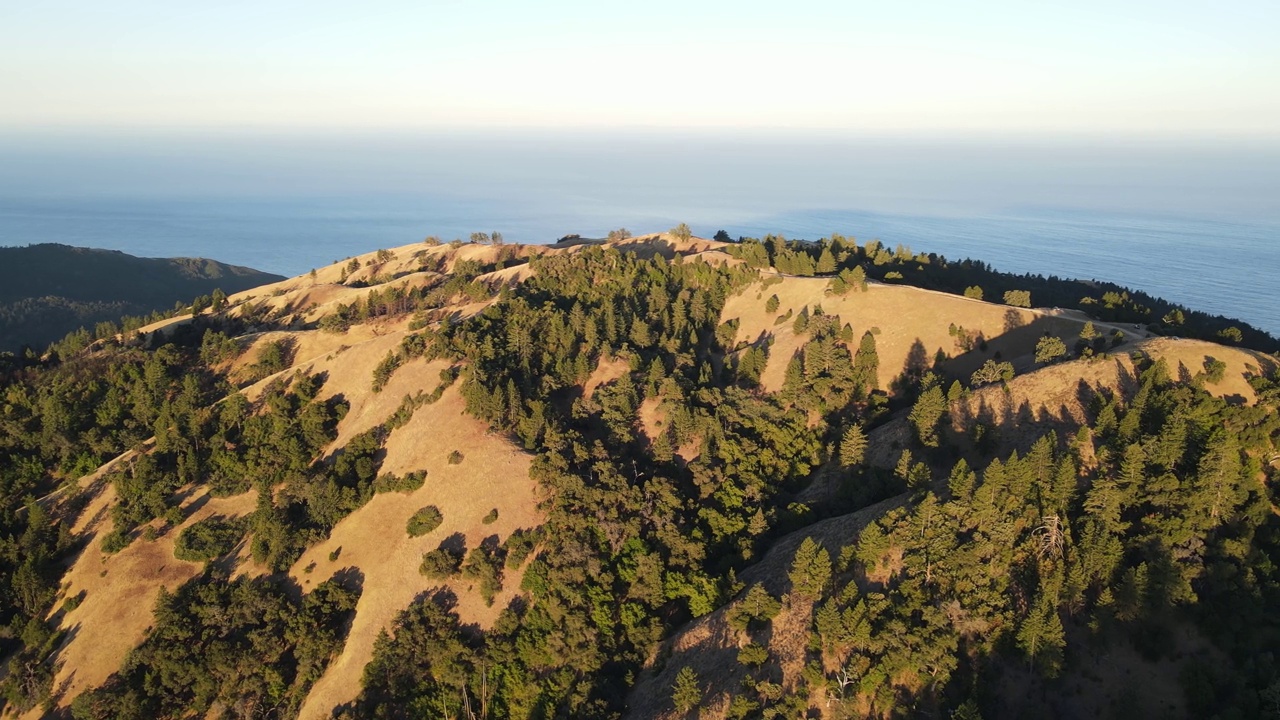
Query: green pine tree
{"type": "Point", "coordinates": [686, 693]}
{"type": "Point", "coordinates": [853, 446]}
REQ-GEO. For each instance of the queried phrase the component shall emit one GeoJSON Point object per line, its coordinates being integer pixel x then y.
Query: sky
{"type": "Point", "coordinates": [1139, 68]}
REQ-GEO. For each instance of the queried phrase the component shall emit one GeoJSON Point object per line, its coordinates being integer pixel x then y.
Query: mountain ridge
{"type": "Point", "coordinates": [390, 353]}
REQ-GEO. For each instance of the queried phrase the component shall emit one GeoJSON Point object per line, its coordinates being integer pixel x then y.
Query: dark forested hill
{"type": "Point", "coordinates": [49, 290]}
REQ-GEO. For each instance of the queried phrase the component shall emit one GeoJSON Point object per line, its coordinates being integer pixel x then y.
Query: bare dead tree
{"type": "Point", "coordinates": [1050, 536]}
{"type": "Point", "coordinates": [844, 679]}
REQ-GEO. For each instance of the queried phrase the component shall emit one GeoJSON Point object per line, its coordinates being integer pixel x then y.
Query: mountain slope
{"type": "Point", "coordinates": [49, 290]}
{"type": "Point", "coordinates": [619, 441]}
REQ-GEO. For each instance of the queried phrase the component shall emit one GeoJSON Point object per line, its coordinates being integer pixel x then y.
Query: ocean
{"type": "Point", "coordinates": [1197, 223]}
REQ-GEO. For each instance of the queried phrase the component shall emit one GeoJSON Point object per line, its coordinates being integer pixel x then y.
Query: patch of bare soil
{"type": "Point", "coordinates": [608, 370]}
{"type": "Point", "coordinates": [653, 421]}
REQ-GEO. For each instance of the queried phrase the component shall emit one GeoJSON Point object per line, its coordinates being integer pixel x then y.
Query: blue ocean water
{"type": "Point", "coordinates": [1220, 267]}
{"type": "Point", "coordinates": [1199, 226]}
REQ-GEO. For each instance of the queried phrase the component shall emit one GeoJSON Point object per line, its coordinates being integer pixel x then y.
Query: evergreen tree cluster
{"type": "Point", "coordinates": [244, 645]}
{"type": "Point", "coordinates": [1147, 519]}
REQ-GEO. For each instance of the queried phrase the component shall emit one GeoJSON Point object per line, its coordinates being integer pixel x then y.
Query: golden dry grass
{"type": "Point", "coordinates": [493, 474]}
{"type": "Point", "coordinates": [1187, 358]}
{"type": "Point", "coordinates": [607, 370]}
{"type": "Point", "coordinates": [716, 257]}
{"type": "Point", "coordinates": [653, 421]}
{"type": "Point", "coordinates": [507, 276]}
{"type": "Point", "coordinates": [310, 303]}
{"type": "Point", "coordinates": [120, 590]}
{"type": "Point", "coordinates": [309, 346]}
{"type": "Point", "coordinates": [904, 317]}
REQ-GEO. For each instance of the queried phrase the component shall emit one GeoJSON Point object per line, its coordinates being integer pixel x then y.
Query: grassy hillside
{"type": "Point", "coordinates": [642, 478]}
{"type": "Point", "coordinates": [49, 290]}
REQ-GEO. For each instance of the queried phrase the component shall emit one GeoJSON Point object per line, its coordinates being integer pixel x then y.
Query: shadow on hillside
{"type": "Point", "coordinates": [455, 544]}
{"type": "Point", "coordinates": [350, 578]}
{"type": "Point", "coordinates": [229, 564]}
{"type": "Point", "coordinates": [997, 428]}
{"type": "Point", "coordinates": [1012, 320]}
{"type": "Point", "coordinates": [1017, 345]}
{"type": "Point", "coordinates": [180, 499]}
{"type": "Point", "coordinates": [647, 248]}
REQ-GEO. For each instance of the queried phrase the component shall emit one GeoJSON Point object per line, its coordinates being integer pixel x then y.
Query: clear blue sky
{"type": "Point", "coordinates": [1083, 66]}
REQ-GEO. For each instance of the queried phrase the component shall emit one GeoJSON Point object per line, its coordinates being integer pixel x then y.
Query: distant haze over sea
{"type": "Point", "coordinates": [1194, 221]}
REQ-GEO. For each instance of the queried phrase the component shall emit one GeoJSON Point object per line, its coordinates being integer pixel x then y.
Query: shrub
{"type": "Point", "coordinates": [115, 541]}
{"type": "Point", "coordinates": [753, 655]}
{"type": "Point", "coordinates": [208, 539]}
{"type": "Point", "coordinates": [992, 372]}
{"type": "Point", "coordinates": [273, 357]}
{"type": "Point", "coordinates": [424, 521]}
{"type": "Point", "coordinates": [388, 482]}
{"type": "Point", "coordinates": [455, 458]}
{"type": "Point", "coordinates": [484, 567]}
{"type": "Point", "coordinates": [491, 518]}
{"type": "Point", "coordinates": [1231, 335]}
{"type": "Point", "coordinates": [382, 373]}
{"type": "Point", "coordinates": [1214, 370]}
{"type": "Point", "coordinates": [519, 545]}
{"type": "Point", "coordinates": [440, 563]}
{"type": "Point", "coordinates": [686, 693]}
{"type": "Point", "coordinates": [1049, 349]}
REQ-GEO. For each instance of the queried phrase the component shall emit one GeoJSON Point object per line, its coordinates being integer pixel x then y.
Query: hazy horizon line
{"type": "Point", "coordinates": [787, 132]}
